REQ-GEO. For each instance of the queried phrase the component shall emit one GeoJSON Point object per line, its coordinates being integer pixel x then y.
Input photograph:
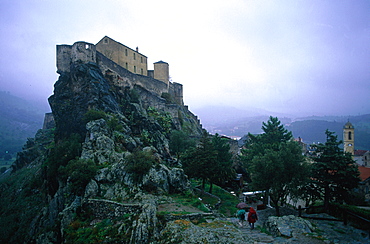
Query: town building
{"type": "Point", "coordinates": [349, 138]}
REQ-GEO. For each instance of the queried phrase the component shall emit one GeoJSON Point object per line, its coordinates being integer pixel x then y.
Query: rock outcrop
{"type": "Point", "coordinates": [288, 226]}
{"type": "Point", "coordinates": [107, 161]}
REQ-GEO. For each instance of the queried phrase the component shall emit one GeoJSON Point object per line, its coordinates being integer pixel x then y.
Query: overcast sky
{"type": "Point", "coordinates": [307, 57]}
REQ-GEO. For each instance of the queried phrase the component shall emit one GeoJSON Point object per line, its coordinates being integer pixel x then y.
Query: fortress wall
{"type": "Point", "coordinates": [176, 91]}
{"type": "Point", "coordinates": [126, 78]}
{"type": "Point", "coordinates": [126, 57]}
{"type": "Point", "coordinates": [49, 121]}
{"type": "Point", "coordinates": [161, 71]}
{"type": "Point", "coordinates": [150, 99]}
{"type": "Point", "coordinates": [78, 52]}
{"type": "Point", "coordinates": [83, 52]}
{"type": "Point", "coordinates": [63, 58]}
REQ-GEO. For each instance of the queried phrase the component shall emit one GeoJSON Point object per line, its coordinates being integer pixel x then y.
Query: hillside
{"type": "Point", "coordinates": [101, 175]}
{"type": "Point", "coordinates": [19, 120]}
{"type": "Point", "coordinates": [237, 122]}
{"type": "Point", "coordinates": [312, 130]}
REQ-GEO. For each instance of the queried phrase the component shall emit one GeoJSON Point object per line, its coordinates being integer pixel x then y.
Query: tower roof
{"type": "Point", "coordinates": [348, 125]}
{"type": "Point", "coordinates": [161, 62]}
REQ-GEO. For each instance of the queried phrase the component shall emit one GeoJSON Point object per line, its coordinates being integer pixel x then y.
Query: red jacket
{"type": "Point", "coordinates": [254, 213]}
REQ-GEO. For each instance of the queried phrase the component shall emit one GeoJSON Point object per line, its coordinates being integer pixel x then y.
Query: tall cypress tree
{"type": "Point", "coordinates": [198, 160]}
{"type": "Point", "coordinates": [221, 170]}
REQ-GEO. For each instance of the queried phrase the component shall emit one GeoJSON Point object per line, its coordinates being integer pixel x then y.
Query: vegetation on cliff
{"type": "Point", "coordinates": [101, 173]}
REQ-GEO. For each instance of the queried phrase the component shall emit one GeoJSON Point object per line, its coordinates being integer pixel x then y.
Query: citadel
{"type": "Point", "coordinates": [125, 66]}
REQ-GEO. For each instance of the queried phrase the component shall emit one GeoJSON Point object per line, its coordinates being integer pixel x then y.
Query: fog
{"type": "Point", "coordinates": [294, 57]}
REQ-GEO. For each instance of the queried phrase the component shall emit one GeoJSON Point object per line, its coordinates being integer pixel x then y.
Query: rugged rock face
{"type": "Point", "coordinates": [288, 226]}
{"type": "Point", "coordinates": [105, 165]}
{"type": "Point", "coordinates": [182, 231]}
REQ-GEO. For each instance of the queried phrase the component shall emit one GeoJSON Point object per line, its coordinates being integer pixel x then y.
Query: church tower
{"type": "Point", "coordinates": [349, 138]}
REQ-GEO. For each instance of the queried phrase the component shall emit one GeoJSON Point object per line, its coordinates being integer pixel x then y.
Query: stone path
{"type": "Point", "coordinates": [326, 231]}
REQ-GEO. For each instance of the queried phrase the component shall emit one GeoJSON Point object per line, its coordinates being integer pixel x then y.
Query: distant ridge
{"type": "Point", "coordinates": [238, 122]}
{"type": "Point", "coordinates": [19, 120]}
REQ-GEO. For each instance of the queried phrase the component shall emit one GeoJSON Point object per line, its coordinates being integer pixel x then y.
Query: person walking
{"type": "Point", "coordinates": [241, 216]}
{"type": "Point", "coordinates": [252, 217]}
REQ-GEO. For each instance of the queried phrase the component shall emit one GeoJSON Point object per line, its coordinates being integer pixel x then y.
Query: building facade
{"type": "Point", "coordinates": [124, 56]}
{"type": "Point", "coordinates": [349, 138]}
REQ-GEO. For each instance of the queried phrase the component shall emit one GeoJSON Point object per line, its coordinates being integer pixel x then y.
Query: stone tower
{"type": "Point", "coordinates": [161, 71]}
{"type": "Point", "coordinates": [349, 138]}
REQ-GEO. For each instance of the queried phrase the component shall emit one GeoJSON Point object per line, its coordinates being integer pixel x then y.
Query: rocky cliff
{"type": "Point", "coordinates": [101, 172]}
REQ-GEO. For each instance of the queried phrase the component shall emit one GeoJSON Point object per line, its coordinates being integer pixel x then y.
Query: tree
{"type": "Point", "coordinates": [180, 142]}
{"type": "Point", "coordinates": [273, 134]}
{"type": "Point", "coordinates": [222, 169]}
{"type": "Point", "coordinates": [334, 171]}
{"type": "Point", "coordinates": [197, 160]}
{"type": "Point", "coordinates": [210, 161]}
{"type": "Point", "coordinates": [275, 162]}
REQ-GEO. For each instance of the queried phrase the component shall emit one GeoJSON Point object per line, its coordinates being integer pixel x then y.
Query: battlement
{"type": "Point", "coordinates": [82, 52]}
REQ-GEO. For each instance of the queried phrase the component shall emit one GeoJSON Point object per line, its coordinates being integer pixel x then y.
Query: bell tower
{"type": "Point", "coordinates": [349, 138]}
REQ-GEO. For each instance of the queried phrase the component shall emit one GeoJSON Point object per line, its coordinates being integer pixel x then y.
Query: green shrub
{"type": "Point", "coordinates": [164, 119]}
{"type": "Point", "coordinates": [79, 172]}
{"type": "Point", "coordinates": [168, 97]}
{"type": "Point", "coordinates": [338, 209]}
{"type": "Point", "coordinates": [106, 231]}
{"type": "Point", "coordinates": [139, 164]}
{"type": "Point", "coordinates": [134, 96]}
{"type": "Point", "coordinates": [114, 124]}
{"type": "Point", "coordinates": [60, 154]}
{"type": "Point", "coordinates": [147, 138]}
{"type": "Point", "coordinates": [93, 115]}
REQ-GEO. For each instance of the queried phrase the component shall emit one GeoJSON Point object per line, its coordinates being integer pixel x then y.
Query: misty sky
{"type": "Point", "coordinates": [307, 57]}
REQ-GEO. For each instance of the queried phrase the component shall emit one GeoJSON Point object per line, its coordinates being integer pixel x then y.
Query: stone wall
{"type": "Point", "coordinates": [161, 71]}
{"type": "Point", "coordinates": [103, 209]}
{"type": "Point", "coordinates": [124, 56]}
{"type": "Point", "coordinates": [82, 52]}
{"type": "Point", "coordinates": [49, 121]}
{"type": "Point", "coordinates": [122, 77]}
{"type": "Point", "coordinates": [176, 91]}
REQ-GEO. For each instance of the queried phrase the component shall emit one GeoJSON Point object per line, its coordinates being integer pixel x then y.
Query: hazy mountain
{"type": "Point", "coordinates": [19, 120]}
{"type": "Point", "coordinates": [237, 122]}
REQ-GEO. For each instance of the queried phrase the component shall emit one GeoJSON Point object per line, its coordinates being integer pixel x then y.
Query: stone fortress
{"type": "Point", "coordinates": [115, 59]}
{"type": "Point", "coordinates": [125, 68]}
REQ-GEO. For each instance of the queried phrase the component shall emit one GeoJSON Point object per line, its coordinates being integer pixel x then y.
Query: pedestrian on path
{"type": "Point", "coordinates": [252, 217]}
{"type": "Point", "coordinates": [241, 216]}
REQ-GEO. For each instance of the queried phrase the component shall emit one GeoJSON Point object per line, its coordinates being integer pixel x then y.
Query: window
{"type": "Point", "coordinates": [349, 135]}
{"type": "Point", "coordinates": [126, 52]}
{"type": "Point", "coordinates": [106, 40]}
{"type": "Point", "coordinates": [141, 59]}
{"type": "Point", "coordinates": [142, 72]}
{"type": "Point", "coordinates": [126, 65]}
{"type": "Point", "coordinates": [134, 69]}
{"type": "Point", "coordinates": [134, 56]}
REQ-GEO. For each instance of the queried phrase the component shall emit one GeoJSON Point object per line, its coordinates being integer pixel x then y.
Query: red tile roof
{"type": "Point", "coordinates": [364, 172]}
{"type": "Point", "coordinates": [360, 152]}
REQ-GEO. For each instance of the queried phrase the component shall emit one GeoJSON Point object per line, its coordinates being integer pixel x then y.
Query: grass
{"type": "Point", "coordinates": [190, 200]}
{"type": "Point", "coordinates": [227, 207]}
{"type": "Point", "coordinates": [6, 163]}
{"type": "Point", "coordinates": [20, 196]}
{"type": "Point", "coordinates": [228, 201]}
